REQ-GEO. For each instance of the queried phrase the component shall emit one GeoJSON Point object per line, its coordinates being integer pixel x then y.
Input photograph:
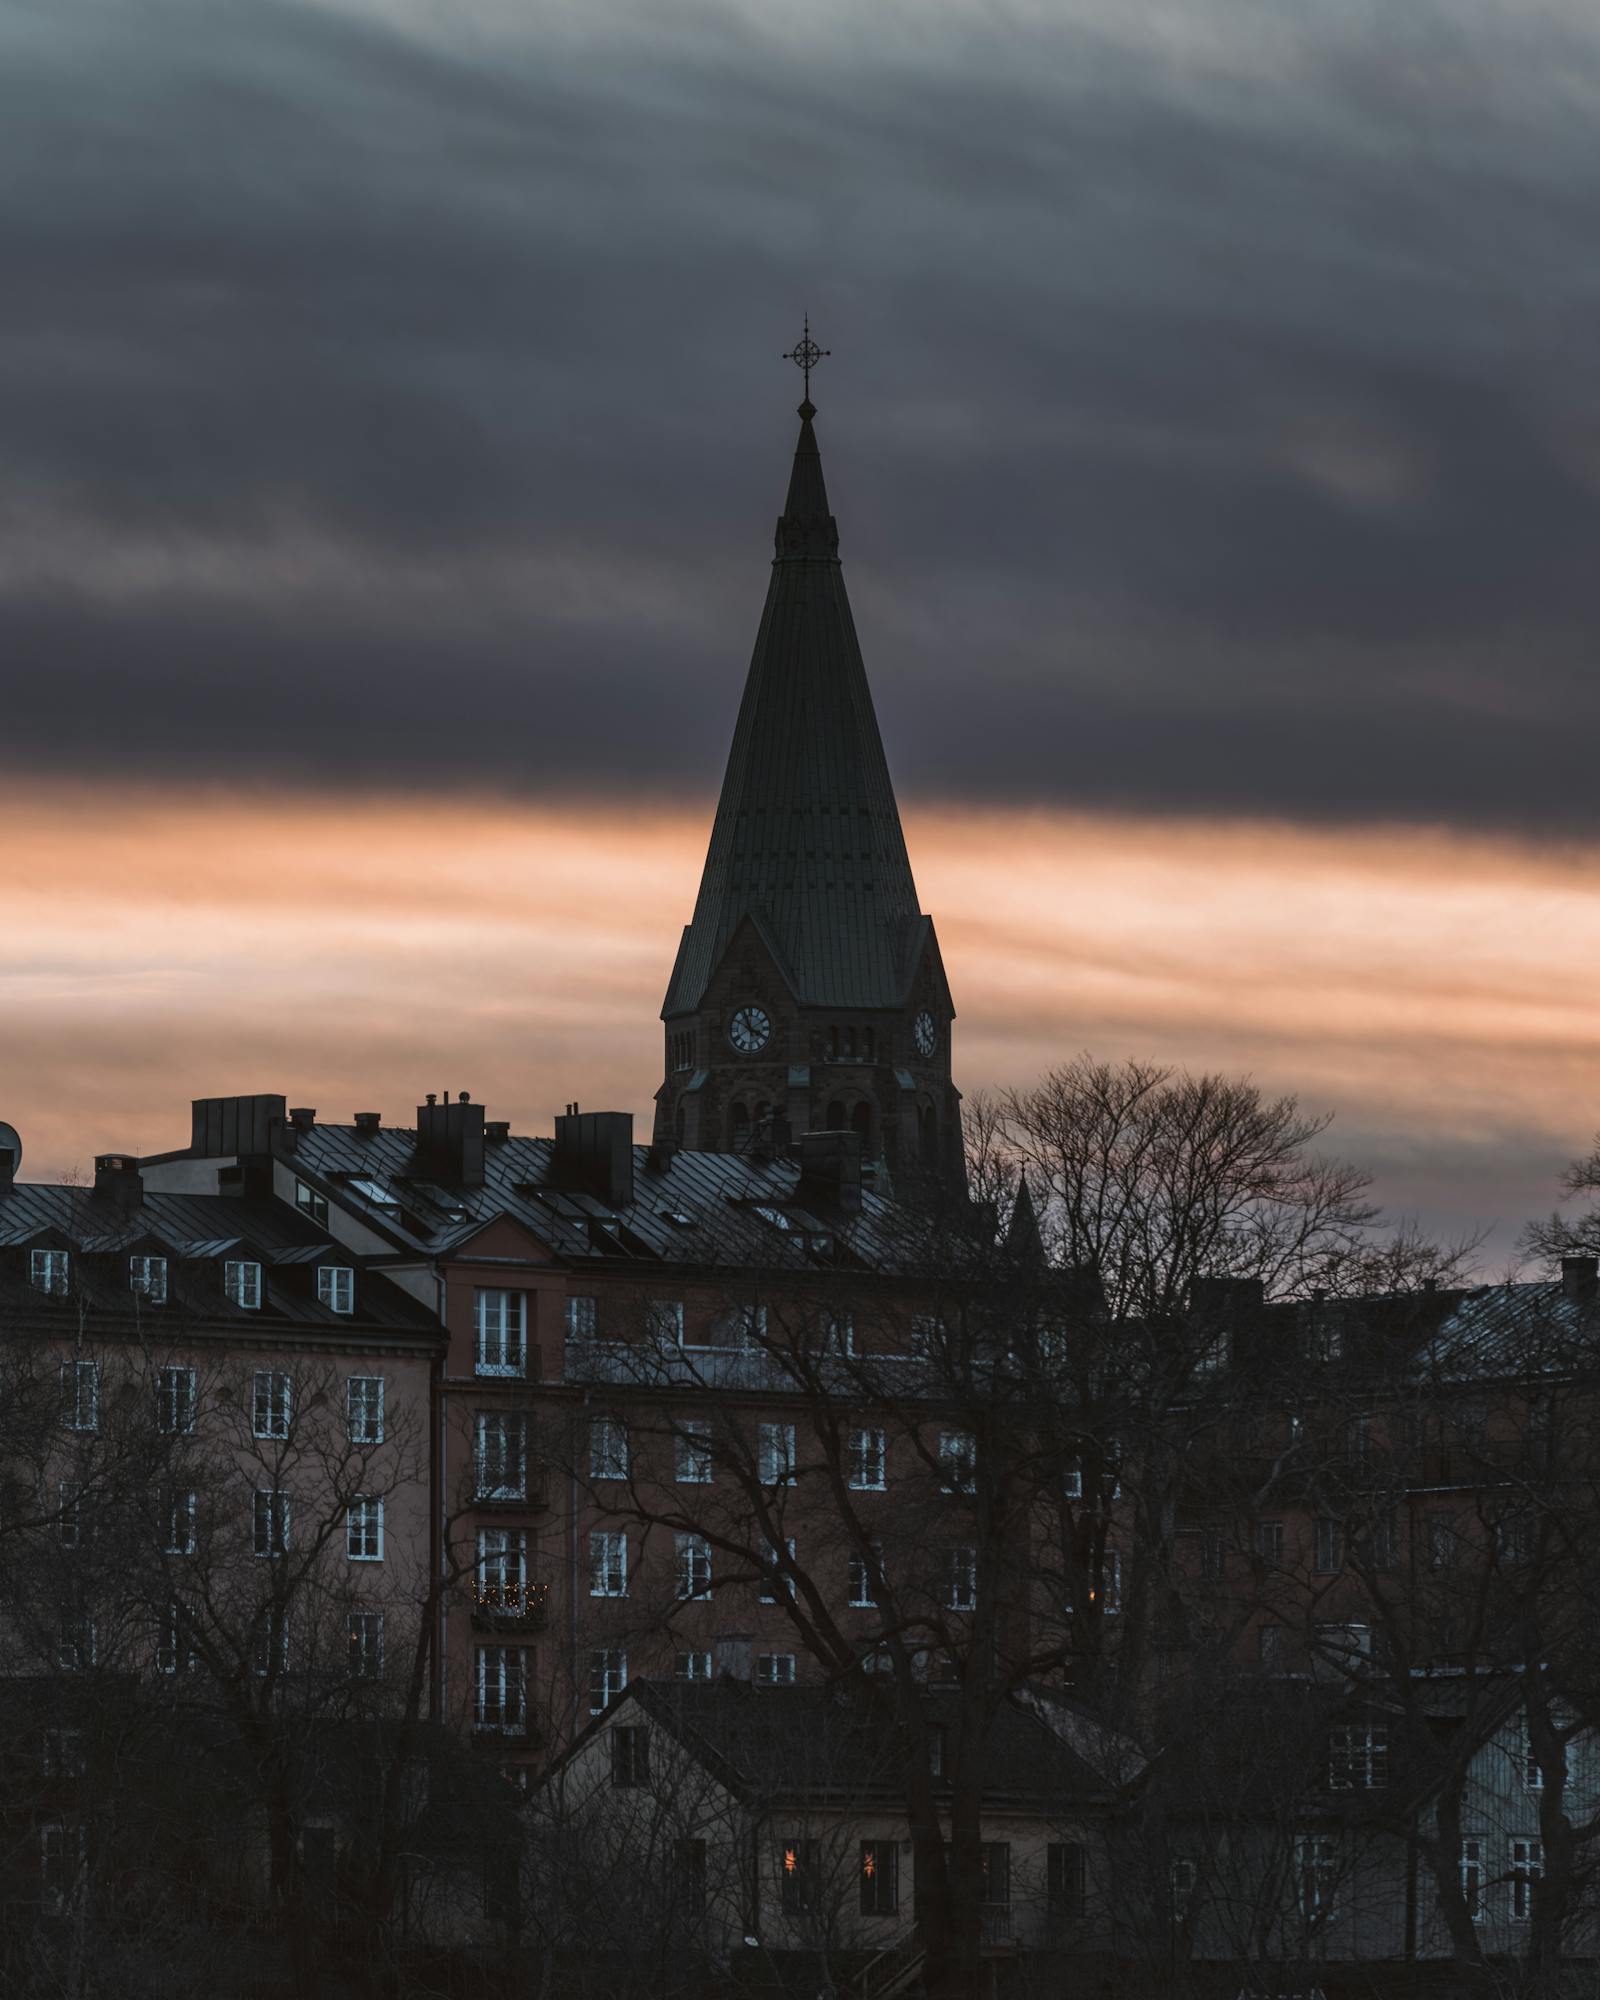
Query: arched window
{"type": "Point", "coordinates": [861, 1122]}
{"type": "Point", "coordinates": [837, 1120]}
{"type": "Point", "coordinates": [739, 1127]}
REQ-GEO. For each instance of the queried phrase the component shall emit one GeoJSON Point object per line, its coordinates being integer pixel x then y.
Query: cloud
{"type": "Point", "coordinates": [391, 393]}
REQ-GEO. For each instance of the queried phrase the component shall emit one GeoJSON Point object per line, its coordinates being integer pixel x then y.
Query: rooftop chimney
{"type": "Point", "coordinates": [1579, 1275]}
{"type": "Point", "coordinates": [369, 1121]}
{"type": "Point", "coordinates": [594, 1151]}
{"type": "Point", "coordinates": [450, 1142]}
{"type": "Point", "coordinates": [497, 1130]}
{"type": "Point", "coordinates": [302, 1117]}
{"type": "Point", "coordinates": [830, 1171]}
{"type": "Point", "coordinates": [117, 1179]}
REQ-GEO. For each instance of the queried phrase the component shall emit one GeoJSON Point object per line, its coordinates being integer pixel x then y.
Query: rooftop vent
{"type": "Point", "coordinates": [369, 1121]}
{"type": "Point", "coordinates": [497, 1130]}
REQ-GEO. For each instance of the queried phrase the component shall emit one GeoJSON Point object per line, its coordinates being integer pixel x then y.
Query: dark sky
{"type": "Point", "coordinates": [391, 391]}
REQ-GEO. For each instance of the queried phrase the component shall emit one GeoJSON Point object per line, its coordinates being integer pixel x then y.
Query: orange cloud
{"type": "Point", "coordinates": [1436, 991]}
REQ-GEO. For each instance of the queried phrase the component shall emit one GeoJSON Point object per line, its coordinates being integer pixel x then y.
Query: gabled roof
{"type": "Point", "coordinates": [807, 839]}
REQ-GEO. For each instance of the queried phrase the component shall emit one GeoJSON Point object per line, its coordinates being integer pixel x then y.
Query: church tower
{"type": "Point", "coordinates": [808, 992]}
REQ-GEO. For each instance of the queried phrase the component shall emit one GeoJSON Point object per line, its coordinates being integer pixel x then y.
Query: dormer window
{"type": "Point", "coordinates": [241, 1280]}
{"type": "Point", "coordinates": [311, 1204]}
{"type": "Point", "coordinates": [50, 1271]}
{"type": "Point", "coordinates": [148, 1277]}
{"type": "Point", "coordinates": [336, 1287]}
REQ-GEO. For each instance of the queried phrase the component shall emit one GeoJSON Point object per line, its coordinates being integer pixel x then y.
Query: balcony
{"type": "Point", "coordinates": [997, 1931]}
{"type": "Point", "coordinates": [531, 1497]}
{"type": "Point", "coordinates": [510, 1607]}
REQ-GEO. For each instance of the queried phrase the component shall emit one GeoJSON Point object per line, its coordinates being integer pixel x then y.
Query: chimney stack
{"type": "Point", "coordinates": [117, 1179]}
{"type": "Point", "coordinates": [369, 1121]}
{"type": "Point", "coordinates": [830, 1171]}
{"type": "Point", "coordinates": [450, 1142]}
{"type": "Point", "coordinates": [594, 1151]}
{"type": "Point", "coordinates": [1579, 1276]}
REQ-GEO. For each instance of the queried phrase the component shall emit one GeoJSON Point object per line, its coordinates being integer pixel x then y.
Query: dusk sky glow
{"type": "Point", "coordinates": [394, 426]}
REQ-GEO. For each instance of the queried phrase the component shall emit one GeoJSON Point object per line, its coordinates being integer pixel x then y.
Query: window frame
{"type": "Point", "coordinates": [364, 1527]}
{"type": "Point", "coordinates": [500, 1689]}
{"type": "Point", "coordinates": [147, 1279]}
{"type": "Point", "coordinates": [869, 1459]}
{"type": "Point", "coordinates": [81, 1374]}
{"type": "Point", "coordinates": [271, 1404]}
{"type": "Point", "coordinates": [608, 1562]}
{"type": "Point", "coordinates": [175, 1398]}
{"type": "Point", "coordinates": [241, 1282]}
{"type": "Point", "coordinates": [336, 1287]}
{"type": "Point", "coordinates": [270, 1522]}
{"type": "Point", "coordinates": [692, 1463]}
{"type": "Point", "coordinates": [510, 1457]}
{"type": "Point", "coordinates": [499, 1348]}
{"type": "Point", "coordinates": [610, 1452]}
{"type": "Point", "coordinates": [776, 1670]}
{"type": "Point", "coordinates": [366, 1661]}
{"type": "Point", "coordinates": [608, 1676]}
{"type": "Point", "coordinates": [878, 1875]}
{"type": "Point", "coordinates": [45, 1267]}
{"type": "Point", "coordinates": [359, 1404]}
{"type": "Point", "coordinates": [776, 1453]}
{"type": "Point", "coordinates": [693, 1561]}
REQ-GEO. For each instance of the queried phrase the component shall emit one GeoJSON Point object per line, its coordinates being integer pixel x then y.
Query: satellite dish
{"type": "Point", "coordinates": [10, 1142]}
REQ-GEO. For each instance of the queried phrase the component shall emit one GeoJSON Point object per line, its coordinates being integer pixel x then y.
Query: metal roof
{"type": "Point", "coordinates": [1503, 1330]}
{"type": "Point", "coordinates": [807, 842]}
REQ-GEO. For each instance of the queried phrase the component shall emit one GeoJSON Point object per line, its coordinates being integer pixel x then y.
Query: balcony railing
{"type": "Point", "coordinates": [997, 1931]}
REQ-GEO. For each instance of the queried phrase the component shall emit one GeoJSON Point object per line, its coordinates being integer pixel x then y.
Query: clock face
{"type": "Point", "coordinates": [926, 1033]}
{"type": "Point", "coordinates": [750, 1030]}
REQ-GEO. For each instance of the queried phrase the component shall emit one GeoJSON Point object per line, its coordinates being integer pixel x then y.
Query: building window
{"type": "Point", "coordinates": [777, 1586]}
{"type": "Point", "coordinates": [1347, 1647]}
{"type": "Point", "coordinates": [175, 1401]}
{"type": "Point", "coordinates": [936, 1749]}
{"type": "Point", "coordinates": [1328, 1557]}
{"type": "Point", "coordinates": [608, 1448]}
{"type": "Point", "coordinates": [1527, 1865]}
{"type": "Point", "coordinates": [1111, 1583]}
{"type": "Point", "coordinates": [502, 1324]}
{"type": "Point", "coordinates": [271, 1400]}
{"type": "Point", "coordinates": [501, 1455]}
{"type": "Point", "coordinates": [176, 1651]}
{"type": "Point", "coordinates": [996, 1860]}
{"type": "Point", "coordinates": [336, 1287]}
{"type": "Point", "coordinates": [863, 1595]}
{"type": "Point", "coordinates": [1181, 1878]}
{"type": "Point", "coordinates": [1515, 1535]}
{"type": "Point", "coordinates": [689, 1876]}
{"type": "Point", "coordinates": [147, 1276]}
{"type": "Point", "coordinates": [1273, 1648]}
{"type": "Point", "coordinates": [69, 1514]}
{"type": "Point", "coordinates": [1213, 1555]}
{"type": "Point", "coordinates": [630, 1757]}
{"type": "Point", "coordinates": [50, 1271]}
{"type": "Point", "coordinates": [608, 1676]}
{"type": "Point", "coordinates": [1072, 1480]}
{"type": "Point", "coordinates": [958, 1462]}
{"type": "Point", "coordinates": [797, 1875]}
{"type": "Point", "coordinates": [241, 1281]}
{"type": "Point", "coordinates": [1358, 1757]}
{"type": "Point", "coordinates": [775, 1669]}
{"type": "Point", "coordinates": [62, 1853]}
{"type": "Point", "coordinates": [663, 1322]}
{"type": "Point", "coordinates": [692, 1667]}
{"type": "Point", "coordinates": [80, 1395]}
{"type": "Point", "coordinates": [310, 1203]}
{"type": "Point", "coordinates": [775, 1453]}
{"type": "Point", "coordinates": [582, 1318]}
{"type": "Point", "coordinates": [880, 1878]}
{"type": "Point", "coordinates": [1316, 1874]}
{"type": "Point", "coordinates": [691, 1451]}
{"type": "Point", "coordinates": [363, 1529]}
{"type": "Point", "coordinates": [868, 1456]}
{"type": "Point", "coordinates": [363, 1408]}
{"type": "Point", "coordinates": [78, 1644]}
{"type": "Point", "coordinates": [366, 1645]}
{"type": "Point", "coordinates": [1532, 1770]}
{"type": "Point", "coordinates": [180, 1508]}
{"type": "Point", "coordinates": [271, 1521]}
{"type": "Point", "coordinates": [1472, 1883]}
{"type": "Point", "coordinates": [694, 1565]}
{"type": "Point", "coordinates": [961, 1579]}
{"type": "Point", "coordinates": [502, 1689]}
{"type": "Point", "coordinates": [1063, 1879]}
{"type": "Point", "coordinates": [608, 1563]}
{"type": "Point", "coordinates": [502, 1568]}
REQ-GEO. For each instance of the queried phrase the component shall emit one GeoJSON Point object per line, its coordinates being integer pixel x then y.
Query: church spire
{"type": "Point", "coordinates": [808, 987]}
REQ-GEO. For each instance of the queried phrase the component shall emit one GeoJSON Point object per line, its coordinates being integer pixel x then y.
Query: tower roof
{"type": "Point", "coordinates": [807, 839]}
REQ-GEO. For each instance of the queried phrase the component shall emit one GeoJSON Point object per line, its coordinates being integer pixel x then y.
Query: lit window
{"type": "Point", "coordinates": [502, 1455]}
{"type": "Point", "coordinates": [80, 1395]}
{"type": "Point", "coordinates": [691, 1451]}
{"type": "Point", "coordinates": [271, 1521]}
{"type": "Point", "coordinates": [868, 1455]}
{"type": "Point", "coordinates": [775, 1453]}
{"type": "Point", "coordinates": [147, 1277]}
{"type": "Point", "coordinates": [336, 1287]}
{"type": "Point", "coordinates": [50, 1271]}
{"type": "Point", "coordinates": [694, 1565]}
{"type": "Point", "coordinates": [364, 1529]}
{"type": "Point", "coordinates": [608, 1563]}
{"type": "Point", "coordinates": [502, 1332]}
{"type": "Point", "coordinates": [363, 1408]}
{"type": "Point", "coordinates": [797, 1875]}
{"type": "Point", "coordinates": [1358, 1757]}
{"type": "Point", "coordinates": [775, 1669]}
{"type": "Point", "coordinates": [175, 1401]}
{"type": "Point", "coordinates": [608, 1676]}
{"type": "Point", "coordinates": [608, 1448]}
{"type": "Point", "coordinates": [310, 1203]}
{"type": "Point", "coordinates": [366, 1645]}
{"type": "Point", "coordinates": [272, 1396]}
{"type": "Point", "coordinates": [241, 1281]}
{"type": "Point", "coordinates": [502, 1689]}
{"type": "Point", "coordinates": [179, 1511]}
{"type": "Point", "coordinates": [880, 1877]}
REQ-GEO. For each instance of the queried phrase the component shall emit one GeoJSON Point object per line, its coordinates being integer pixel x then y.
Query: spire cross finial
{"type": "Point", "coordinates": [805, 354]}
